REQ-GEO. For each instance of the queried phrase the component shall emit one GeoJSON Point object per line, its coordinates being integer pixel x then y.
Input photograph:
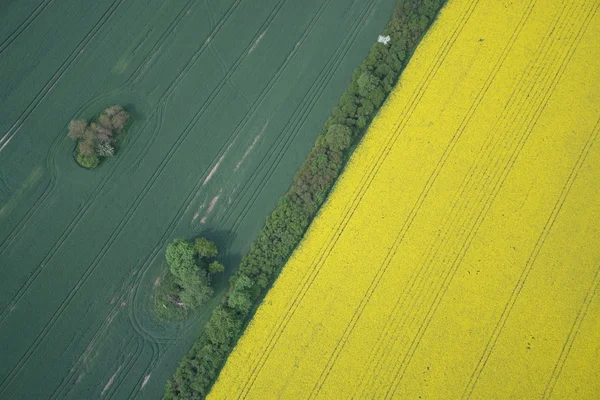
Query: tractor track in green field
{"type": "Point", "coordinates": [135, 322]}
{"type": "Point", "coordinates": [65, 234]}
{"type": "Point", "coordinates": [123, 222]}
{"type": "Point", "coordinates": [95, 195]}
{"type": "Point", "coordinates": [138, 73]}
{"type": "Point", "coordinates": [151, 340]}
{"type": "Point", "coordinates": [300, 115]}
{"type": "Point", "coordinates": [298, 118]}
{"type": "Point", "coordinates": [157, 109]}
{"type": "Point", "coordinates": [211, 18]}
{"type": "Point", "coordinates": [171, 89]}
{"type": "Point", "coordinates": [118, 306]}
{"type": "Point", "coordinates": [264, 95]}
{"type": "Point", "coordinates": [56, 77]}
{"type": "Point", "coordinates": [128, 363]}
{"type": "Point", "coordinates": [306, 105]}
{"type": "Point", "coordinates": [125, 303]}
{"type": "Point", "coordinates": [24, 25]}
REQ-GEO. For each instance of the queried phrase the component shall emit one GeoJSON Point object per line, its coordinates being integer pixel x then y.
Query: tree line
{"type": "Point", "coordinates": [285, 226]}
{"type": "Point", "coordinates": [98, 139]}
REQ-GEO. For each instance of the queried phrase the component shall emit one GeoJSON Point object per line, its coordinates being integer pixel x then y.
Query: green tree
{"type": "Point", "coordinates": [223, 326]}
{"type": "Point", "coordinates": [376, 96]}
{"type": "Point", "coordinates": [366, 83]}
{"type": "Point", "coordinates": [215, 267]}
{"type": "Point", "coordinates": [339, 137]}
{"type": "Point", "coordinates": [240, 297]}
{"type": "Point", "coordinates": [191, 279]}
{"type": "Point", "coordinates": [319, 165]}
{"type": "Point", "coordinates": [361, 122]}
{"type": "Point", "coordinates": [205, 248]}
{"type": "Point", "coordinates": [180, 257]}
{"type": "Point", "coordinates": [196, 290]}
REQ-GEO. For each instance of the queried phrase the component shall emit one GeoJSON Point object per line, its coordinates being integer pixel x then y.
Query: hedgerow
{"type": "Point", "coordinates": [285, 226]}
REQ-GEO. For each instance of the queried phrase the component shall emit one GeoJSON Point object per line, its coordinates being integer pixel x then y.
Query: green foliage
{"type": "Point", "coordinates": [319, 164]}
{"type": "Point", "coordinates": [223, 328]}
{"type": "Point", "coordinates": [188, 277]}
{"type": "Point", "coordinates": [196, 289]}
{"type": "Point", "coordinates": [193, 280]}
{"type": "Point", "coordinates": [215, 267]}
{"type": "Point", "coordinates": [240, 296]}
{"type": "Point", "coordinates": [205, 248]}
{"type": "Point", "coordinates": [361, 122]}
{"type": "Point", "coordinates": [98, 140]}
{"type": "Point", "coordinates": [180, 257]}
{"type": "Point", "coordinates": [285, 226]}
{"type": "Point", "coordinates": [367, 82]}
{"type": "Point", "coordinates": [88, 161]}
{"type": "Point", "coordinates": [339, 137]}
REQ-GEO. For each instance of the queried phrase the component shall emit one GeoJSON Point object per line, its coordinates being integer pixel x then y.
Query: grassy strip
{"type": "Point", "coordinates": [285, 226]}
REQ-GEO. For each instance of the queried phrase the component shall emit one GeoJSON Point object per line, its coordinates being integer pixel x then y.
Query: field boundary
{"type": "Point", "coordinates": [286, 225]}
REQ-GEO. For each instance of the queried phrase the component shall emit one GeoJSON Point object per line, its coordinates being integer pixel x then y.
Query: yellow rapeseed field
{"type": "Point", "coordinates": [459, 254]}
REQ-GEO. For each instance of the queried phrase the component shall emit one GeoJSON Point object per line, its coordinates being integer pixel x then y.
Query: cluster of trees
{"type": "Point", "coordinates": [192, 266]}
{"type": "Point", "coordinates": [370, 85]}
{"type": "Point", "coordinates": [98, 139]}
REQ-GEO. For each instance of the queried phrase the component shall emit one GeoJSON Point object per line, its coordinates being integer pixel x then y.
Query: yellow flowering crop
{"type": "Point", "coordinates": [459, 254]}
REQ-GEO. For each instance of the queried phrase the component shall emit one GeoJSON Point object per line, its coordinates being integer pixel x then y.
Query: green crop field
{"type": "Point", "coordinates": [226, 97]}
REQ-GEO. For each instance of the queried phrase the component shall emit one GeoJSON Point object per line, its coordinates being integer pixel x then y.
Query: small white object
{"type": "Point", "coordinates": [383, 39]}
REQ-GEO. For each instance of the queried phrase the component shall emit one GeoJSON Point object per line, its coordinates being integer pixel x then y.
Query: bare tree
{"type": "Point", "coordinates": [105, 121]}
{"type": "Point", "coordinates": [113, 110]}
{"type": "Point", "coordinates": [103, 134]}
{"type": "Point", "coordinates": [120, 119]}
{"type": "Point", "coordinates": [77, 129]}
{"type": "Point", "coordinates": [86, 146]}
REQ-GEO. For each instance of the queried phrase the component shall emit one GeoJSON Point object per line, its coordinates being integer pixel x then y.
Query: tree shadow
{"type": "Point", "coordinates": [223, 239]}
{"type": "Point", "coordinates": [136, 113]}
